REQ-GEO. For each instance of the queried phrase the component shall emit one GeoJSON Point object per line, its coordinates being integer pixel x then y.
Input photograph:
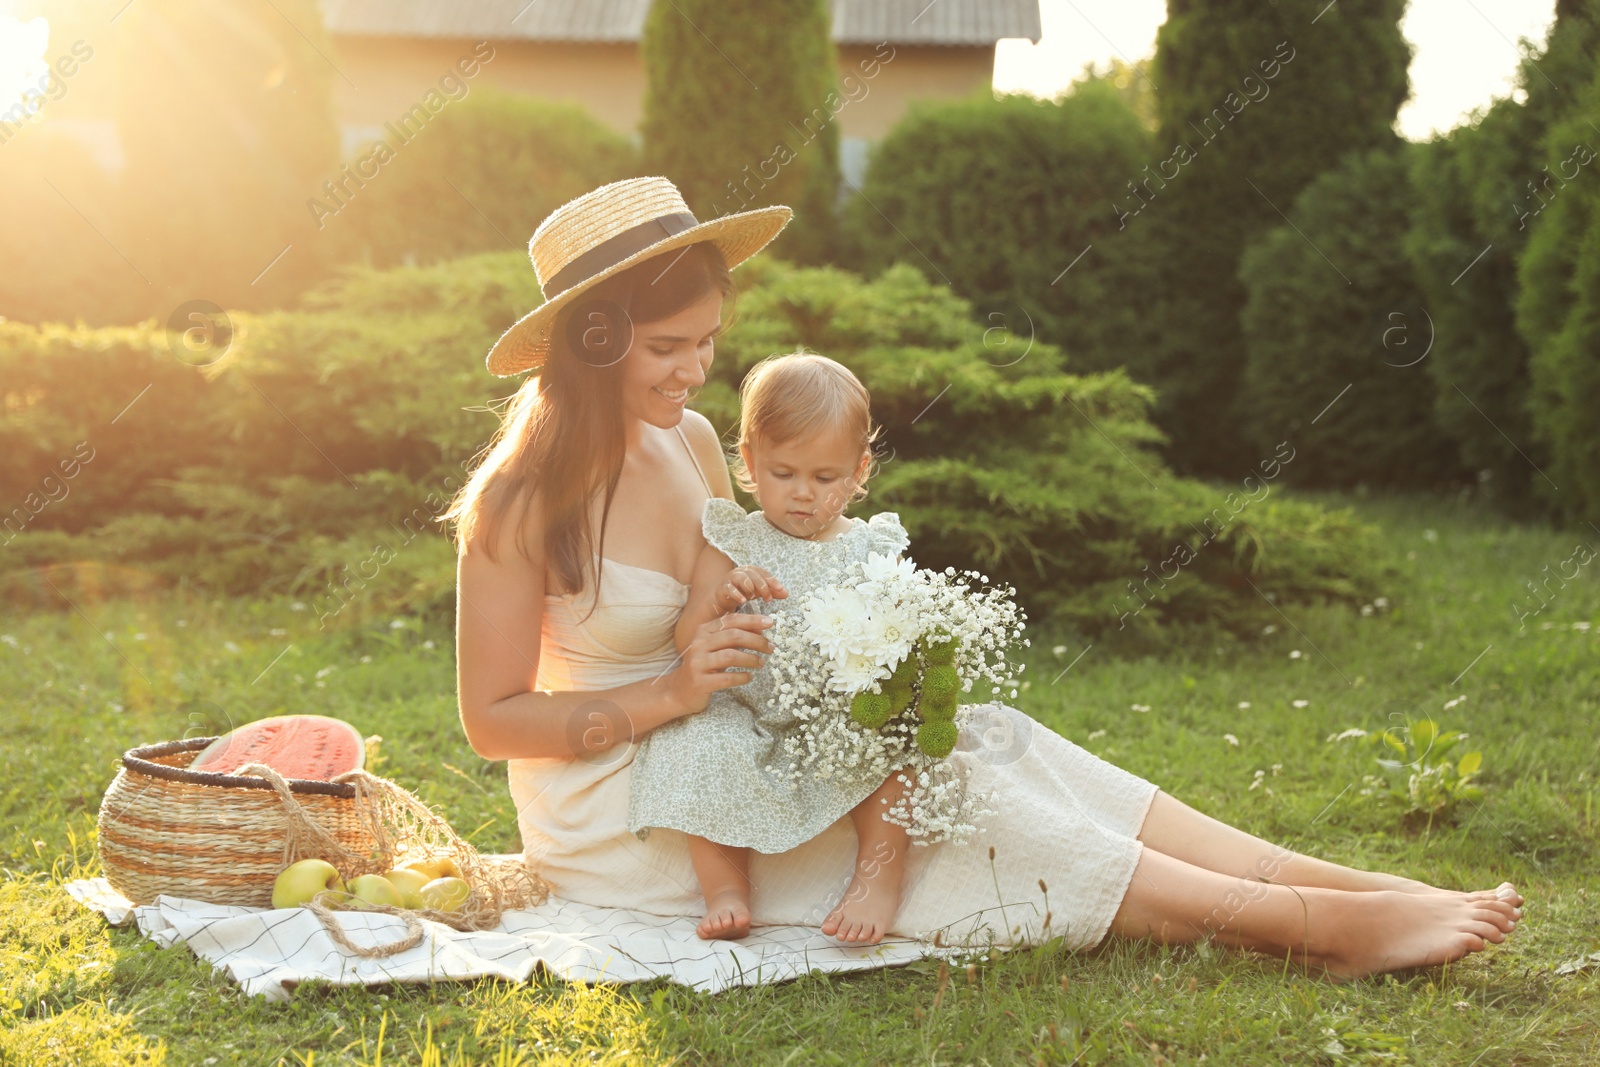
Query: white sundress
{"type": "Point", "coordinates": [1067, 818]}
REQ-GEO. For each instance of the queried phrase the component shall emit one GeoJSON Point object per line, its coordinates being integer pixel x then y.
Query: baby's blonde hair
{"type": "Point", "coordinates": [785, 397]}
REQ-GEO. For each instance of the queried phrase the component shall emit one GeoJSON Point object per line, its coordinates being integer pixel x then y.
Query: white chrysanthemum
{"type": "Point", "coordinates": [853, 672]}
{"type": "Point", "coordinates": [887, 635]}
{"type": "Point", "coordinates": [835, 621]}
{"type": "Point", "coordinates": [884, 573]}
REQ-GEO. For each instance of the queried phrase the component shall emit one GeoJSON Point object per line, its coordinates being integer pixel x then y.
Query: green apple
{"type": "Point", "coordinates": [409, 884]}
{"type": "Point", "coordinates": [370, 889]}
{"type": "Point", "coordinates": [446, 894]}
{"type": "Point", "coordinates": [299, 882]}
{"type": "Point", "coordinates": [436, 866]}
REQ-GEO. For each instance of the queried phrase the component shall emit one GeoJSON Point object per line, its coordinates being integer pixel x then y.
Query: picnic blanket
{"type": "Point", "coordinates": [268, 951]}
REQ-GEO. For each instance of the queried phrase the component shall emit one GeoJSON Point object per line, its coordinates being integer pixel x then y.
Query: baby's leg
{"type": "Point", "coordinates": [868, 907]}
{"type": "Point", "coordinates": [724, 873]}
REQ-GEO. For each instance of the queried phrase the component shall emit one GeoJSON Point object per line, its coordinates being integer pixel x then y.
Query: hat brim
{"type": "Point", "coordinates": [526, 345]}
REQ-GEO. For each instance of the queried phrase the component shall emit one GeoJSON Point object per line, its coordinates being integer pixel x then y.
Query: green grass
{"type": "Point", "coordinates": [74, 991]}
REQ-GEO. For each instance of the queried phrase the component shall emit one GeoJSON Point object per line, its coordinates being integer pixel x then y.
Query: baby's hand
{"type": "Point", "coordinates": [744, 584]}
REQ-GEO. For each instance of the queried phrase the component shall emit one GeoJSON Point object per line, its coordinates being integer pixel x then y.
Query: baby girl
{"type": "Point", "coordinates": [805, 451]}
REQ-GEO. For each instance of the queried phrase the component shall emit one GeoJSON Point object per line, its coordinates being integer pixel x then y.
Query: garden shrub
{"type": "Point", "coordinates": [1265, 97]}
{"type": "Point", "coordinates": [1000, 195]}
{"type": "Point", "coordinates": [1558, 313]}
{"type": "Point", "coordinates": [1481, 191]}
{"type": "Point", "coordinates": [739, 111]}
{"type": "Point", "coordinates": [481, 176]}
{"type": "Point", "coordinates": [1038, 476]}
{"type": "Point", "coordinates": [1336, 335]}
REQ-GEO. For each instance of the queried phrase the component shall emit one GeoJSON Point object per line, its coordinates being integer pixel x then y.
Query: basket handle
{"type": "Point", "coordinates": [413, 935]}
{"type": "Point", "coordinates": [306, 836]}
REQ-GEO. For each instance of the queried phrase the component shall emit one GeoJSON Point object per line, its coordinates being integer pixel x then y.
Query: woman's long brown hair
{"type": "Point", "coordinates": [562, 434]}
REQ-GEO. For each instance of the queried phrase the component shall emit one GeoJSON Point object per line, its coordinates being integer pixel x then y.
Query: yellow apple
{"type": "Point", "coordinates": [435, 866]}
{"type": "Point", "coordinates": [446, 894]}
{"type": "Point", "coordinates": [372, 889]}
{"type": "Point", "coordinates": [408, 883]}
{"type": "Point", "coordinates": [299, 882]}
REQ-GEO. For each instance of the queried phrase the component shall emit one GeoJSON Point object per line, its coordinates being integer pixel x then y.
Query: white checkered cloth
{"type": "Point", "coordinates": [269, 951]}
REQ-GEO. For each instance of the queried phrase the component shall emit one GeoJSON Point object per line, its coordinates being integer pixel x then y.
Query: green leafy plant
{"type": "Point", "coordinates": [1419, 770]}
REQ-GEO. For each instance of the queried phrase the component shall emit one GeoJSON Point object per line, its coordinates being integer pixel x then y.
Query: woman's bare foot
{"type": "Point", "coordinates": [1357, 934]}
{"type": "Point", "coordinates": [1505, 891]}
{"type": "Point", "coordinates": [867, 909]}
{"type": "Point", "coordinates": [727, 916]}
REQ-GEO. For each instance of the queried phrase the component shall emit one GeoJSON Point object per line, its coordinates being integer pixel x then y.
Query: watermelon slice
{"type": "Point", "coordinates": [296, 746]}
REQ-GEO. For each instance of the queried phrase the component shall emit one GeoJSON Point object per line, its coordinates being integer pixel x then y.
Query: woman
{"type": "Point", "coordinates": [577, 536]}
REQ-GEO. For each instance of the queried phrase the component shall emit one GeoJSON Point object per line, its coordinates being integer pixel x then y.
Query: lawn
{"type": "Point", "coordinates": [1219, 723]}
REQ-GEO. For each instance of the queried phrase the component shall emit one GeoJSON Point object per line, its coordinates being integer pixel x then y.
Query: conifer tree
{"type": "Point", "coordinates": [1483, 188]}
{"type": "Point", "coordinates": [740, 111]}
{"type": "Point", "coordinates": [1255, 101]}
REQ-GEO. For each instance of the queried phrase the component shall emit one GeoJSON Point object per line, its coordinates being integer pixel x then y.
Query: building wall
{"type": "Point", "coordinates": [387, 76]}
{"type": "Point", "coordinates": [391, 74]}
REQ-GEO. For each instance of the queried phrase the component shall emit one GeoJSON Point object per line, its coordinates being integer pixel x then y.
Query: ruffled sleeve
{"type": "Point", "coordinates": [886, 535]}
{"type": "Point", "coordinates": [725, 525]}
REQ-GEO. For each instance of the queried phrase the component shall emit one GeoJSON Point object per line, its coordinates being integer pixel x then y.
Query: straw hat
{"type": "Point", "coordinates": [587, 240]}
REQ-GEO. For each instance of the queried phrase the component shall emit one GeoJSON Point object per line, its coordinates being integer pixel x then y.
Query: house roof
{"type": "Point", "coordinates": [939, 22]}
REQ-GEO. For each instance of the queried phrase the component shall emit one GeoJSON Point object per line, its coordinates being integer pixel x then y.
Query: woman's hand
{"type": "Point", "coordinates": [743, 584]}
{"type": "Point", "coordinates": [734, 640]}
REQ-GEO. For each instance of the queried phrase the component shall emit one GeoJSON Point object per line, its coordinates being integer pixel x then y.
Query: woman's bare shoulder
{"type": "Point", "coordinates": [707, 446]}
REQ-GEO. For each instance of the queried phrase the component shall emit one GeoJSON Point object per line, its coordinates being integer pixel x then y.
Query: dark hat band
{"type": "Point", "coordinates": [610, 252]}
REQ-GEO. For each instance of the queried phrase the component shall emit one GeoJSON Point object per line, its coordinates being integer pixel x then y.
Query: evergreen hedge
{"type": "Point", "coordinates": [1255, 101]}
{"type": "Point", "coordinates": [739, 111]}
{"type": "Point", "coordinates": [1337, 334]}
{"type": "Point", "coordinates": [480, 177]}
{"type": "Point", "coordinates": [1482, 188]}
{"type": "Point", "coordinates": [310, 459]}
{"type": "Point", "coordinates": [1558, 312]}
{"type": "Point", "coordinates": [999, 197]}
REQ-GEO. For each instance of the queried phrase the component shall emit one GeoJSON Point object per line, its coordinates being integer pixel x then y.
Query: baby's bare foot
{"type": "Point", "coordinates": [867, 909]}
{"type": "Point", "coordinates": [727, 916]}
{"type": "Point", "coordinates": [1367, 933]}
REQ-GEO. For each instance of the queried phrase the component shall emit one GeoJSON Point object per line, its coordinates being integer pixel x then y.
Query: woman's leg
{"type": "Point", "coordinates": [1177, 830]}
{"type": "Point", "coordinates": [724, 873]}
{"type": "Point", "coordinates": [868, 907]}
{"type": "Point", "coordinates": [1348, 933]}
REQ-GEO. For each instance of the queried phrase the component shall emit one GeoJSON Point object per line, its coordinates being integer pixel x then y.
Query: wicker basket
{"type": "Point", "coordinates": [220, 838]}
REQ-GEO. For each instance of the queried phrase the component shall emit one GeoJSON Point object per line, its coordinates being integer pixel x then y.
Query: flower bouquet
{"type": "Point", "coordinates": [874, 673]}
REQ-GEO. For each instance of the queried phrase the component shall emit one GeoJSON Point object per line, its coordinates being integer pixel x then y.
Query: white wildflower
{"type": "Point", "coordinates": [1300, 703]}
{"type": "Point", "coordinates": [1243, 704]}
{"type": "Point", "coordinates": [1234, 741]}
{"type": "Point", "coordinates": [1294, 654]}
